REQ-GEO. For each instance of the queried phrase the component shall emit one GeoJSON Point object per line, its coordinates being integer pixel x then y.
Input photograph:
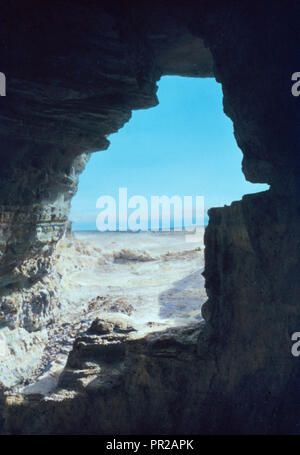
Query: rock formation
{"type": "Point", "coordinates": [74, 71]}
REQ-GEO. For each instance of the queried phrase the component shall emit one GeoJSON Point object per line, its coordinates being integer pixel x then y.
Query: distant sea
{"type": "Point", "coordinates": [91, 226]}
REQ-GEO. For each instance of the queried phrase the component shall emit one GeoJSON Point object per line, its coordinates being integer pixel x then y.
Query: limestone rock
{"type": "Point", "coordinates": [66, 92]}
{"type": "Point", "coordinates": [108, 325]}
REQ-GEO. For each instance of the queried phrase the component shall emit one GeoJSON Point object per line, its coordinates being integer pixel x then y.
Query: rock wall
{"type": "Point", "coordinates": [68, 90]}
{"type": "Point", "coordinates": [66, 93]}
{"type": "Point", "coordinates": [249, 325]}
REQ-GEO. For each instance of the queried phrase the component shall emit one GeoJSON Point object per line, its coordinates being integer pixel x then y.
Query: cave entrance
{"type": "Point", "coordinates": [120, 283]}
{"type": "Point", "coordinates": [183, 147]}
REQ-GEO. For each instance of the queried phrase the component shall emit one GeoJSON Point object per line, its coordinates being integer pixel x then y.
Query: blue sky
{"type": "Point", "coordinates": [184, 146]}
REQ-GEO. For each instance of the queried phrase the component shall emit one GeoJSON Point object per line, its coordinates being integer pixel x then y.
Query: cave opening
{"type": "Point", "coordinates": [145, 281]}
{"type": "Point", "coordinates": [150, 273]}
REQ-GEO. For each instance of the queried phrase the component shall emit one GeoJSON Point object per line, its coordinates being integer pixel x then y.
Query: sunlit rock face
{"type": "Point", "coordinates": [30, 231]}
{"type": "Point", "coordinates": [75, 71]}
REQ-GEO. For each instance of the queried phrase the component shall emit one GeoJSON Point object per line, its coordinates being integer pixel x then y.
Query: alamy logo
{"type": "Point", "coordinates": [3, 346]}
{"type": "Point", "coordinates": [296, 86]}
{"type": "Point", "coordinates": [133, 214]}
{"type": "Point", "coordinates": [2, 84]}
{"type": "Point", "coordinates": [296, 346]}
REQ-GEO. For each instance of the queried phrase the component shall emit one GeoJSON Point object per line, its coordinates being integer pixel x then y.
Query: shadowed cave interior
{"type": "Point", "coordinates": [232, 372]}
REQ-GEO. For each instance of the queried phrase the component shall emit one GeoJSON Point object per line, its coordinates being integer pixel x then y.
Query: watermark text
{"type": "Point", "coordinates": [2, 84]}
{"type": "Point", "coordinates": [163, 213]}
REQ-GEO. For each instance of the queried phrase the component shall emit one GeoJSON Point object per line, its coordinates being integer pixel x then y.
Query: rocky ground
{"type": "Point", "coordinates": [134, 291]}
